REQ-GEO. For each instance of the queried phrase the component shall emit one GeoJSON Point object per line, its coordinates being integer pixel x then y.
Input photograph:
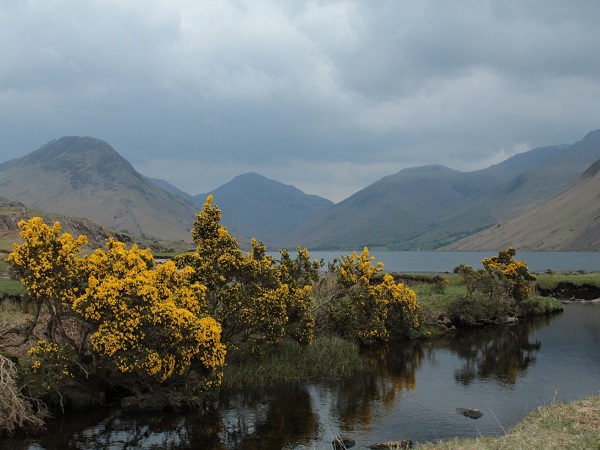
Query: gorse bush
{"type": "Point", "coordinates": [501, 276]}
{"type": "Point", "coordinates": [117, 319]}
{"type": "Point", "coordinates": [493, 291]}
{"type": "Point", "coordinates": [251, 296]}
{"type": "Point", "coordinates": [114, 316]}
{"type": "Point", "coordinates": [354, 305]}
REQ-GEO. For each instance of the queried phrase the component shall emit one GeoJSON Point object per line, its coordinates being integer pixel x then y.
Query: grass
{"type": "Point", "coordinates": [551, 280]}
{"type": "Point", "coordinates": [573, 425]}
{"type": "Point", "coordinates": [326, 357]}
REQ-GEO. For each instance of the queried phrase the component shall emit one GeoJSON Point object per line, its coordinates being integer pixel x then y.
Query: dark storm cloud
{"type": "Point", "coordinates": [328, 96]}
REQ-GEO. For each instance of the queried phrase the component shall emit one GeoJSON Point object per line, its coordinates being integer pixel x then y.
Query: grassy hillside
{"type": "Point", "coordinates": [86, 177]}
{"type": "Point", "coordinates": [568, 221]}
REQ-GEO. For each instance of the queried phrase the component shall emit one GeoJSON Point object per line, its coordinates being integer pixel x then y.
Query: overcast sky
{"type": "Point", "coordinates": [328, 96]}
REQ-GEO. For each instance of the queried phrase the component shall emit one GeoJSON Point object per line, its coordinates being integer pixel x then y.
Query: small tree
{"type": "Point", "coordinates": [494, 290]}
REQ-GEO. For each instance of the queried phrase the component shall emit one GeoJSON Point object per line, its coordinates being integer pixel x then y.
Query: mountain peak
{"type": "Point", "coordinates": [86, 177]}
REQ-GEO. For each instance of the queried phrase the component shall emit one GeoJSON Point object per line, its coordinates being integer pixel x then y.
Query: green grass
{"type": "Point", "coordinates": [551, 280]}
{"type": "Point", "coordinates": [559, 426]}
{"type": "Point", "coordinates": [11, 287]}
{"type": "Point", "coordinates": [326, 357]}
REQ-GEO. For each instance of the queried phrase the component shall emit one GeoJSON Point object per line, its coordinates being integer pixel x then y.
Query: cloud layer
{"type": "Point", "coordinates": [326, 95]}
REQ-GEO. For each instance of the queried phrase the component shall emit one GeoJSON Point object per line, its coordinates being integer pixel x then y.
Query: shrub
{"type": "Point", "coordinates": [356, 307]}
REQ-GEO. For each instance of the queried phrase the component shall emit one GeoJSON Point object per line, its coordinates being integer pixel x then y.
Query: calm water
{"type": "Point", "coordinates": [413, 394]}
{"type": "Point", "coordinates": [430, 261]}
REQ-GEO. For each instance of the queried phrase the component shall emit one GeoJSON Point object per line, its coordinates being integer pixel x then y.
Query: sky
{"type": "Point", "coordinates": [328, 96]}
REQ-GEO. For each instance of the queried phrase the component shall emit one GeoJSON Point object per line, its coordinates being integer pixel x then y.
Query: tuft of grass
{"type": "Point", "coordinates": [324, 358]}
{"type": "Point", "coordinates": [538, 306]}
{"type": "Point", "coordinates": [559, 426]}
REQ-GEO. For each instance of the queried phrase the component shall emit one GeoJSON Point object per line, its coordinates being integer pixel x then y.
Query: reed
{"type": "Point", "coordinates": [325, 358]}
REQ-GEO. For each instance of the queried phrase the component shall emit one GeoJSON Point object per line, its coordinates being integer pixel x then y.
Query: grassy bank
{"type": "Point", "coordinates": [559, 426]}
{"type": "Point", "coordinates": [326, 357]}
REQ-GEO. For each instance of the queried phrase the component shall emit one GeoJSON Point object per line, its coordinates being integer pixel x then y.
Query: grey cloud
{"type": "Point", "coordinates": [268, 85]}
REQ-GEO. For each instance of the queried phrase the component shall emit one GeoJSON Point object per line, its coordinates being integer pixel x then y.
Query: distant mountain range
{"type": "Point", "coordinates": [86, 177]}
{"type": "Point", "coordinates": [432, 206]}
{"type": "Point", "coordinates": [425, 207]}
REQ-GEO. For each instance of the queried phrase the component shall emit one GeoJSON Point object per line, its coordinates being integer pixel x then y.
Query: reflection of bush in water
{"type": "Point", "coordinates": [502, 354]}
{"type": "Point", "coordinates": [259, 419]}
{"type": "Point", "coordinates": [117, 430]}
{"type": "Point", "coordinates": [394, 370]}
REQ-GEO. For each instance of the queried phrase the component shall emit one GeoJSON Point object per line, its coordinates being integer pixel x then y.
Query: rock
{"type": "Point", "coordinates": [144, 403]}
{"type": "Point", "coordinates": [403, 444]}
{"type": "Point", "coordinates": [470, 412]}
{"type": "Point", "coordinates": [342, 442]}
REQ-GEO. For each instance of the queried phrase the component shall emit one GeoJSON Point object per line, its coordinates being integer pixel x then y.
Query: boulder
{"type": "Point", "coordinates": [470, 412]}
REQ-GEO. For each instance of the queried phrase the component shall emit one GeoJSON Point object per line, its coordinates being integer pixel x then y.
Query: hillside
{"type": "Point", "coordinates": [86, 177]}
{"type": "Point", "coordinates": [255, 206]}
{"type": "Point", "coordinates": [568, 221]}
{"type": "Point", "coordinates": [433, 206]}
{"type": "Point", "coordinates": [12, 212]}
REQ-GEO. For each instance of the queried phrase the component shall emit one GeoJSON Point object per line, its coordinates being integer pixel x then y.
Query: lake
{"type": "Point", "coordinates": [431, 261]}
{"type": "Point", "coordinates": [413, 394]}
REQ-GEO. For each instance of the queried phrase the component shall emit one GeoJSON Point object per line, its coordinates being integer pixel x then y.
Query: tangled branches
{"type": "Point", "coordinates": [16, 410]}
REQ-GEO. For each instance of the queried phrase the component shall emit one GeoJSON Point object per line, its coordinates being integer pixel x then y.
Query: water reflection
{"type": "Point", "coordinates": [268, 418]}
{"type": "Point", "coordinates": [393, 373]}
{"type": "Point", "coordinates": [407, 388]}
{"type": "Point", "coordinates": [502, 355]}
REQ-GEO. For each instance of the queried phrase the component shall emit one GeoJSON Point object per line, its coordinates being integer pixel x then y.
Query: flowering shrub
{"type": "Point", "coordinates": [253, 298]}
{"type": "Point", "coordinates": [371, 312]}
{"type": "Point", "coordinates": [125, 314]}
{"type": "Point", "coordinates": [147, 321]}
{"type": "Point", "coordinates": [48, 265]}
{"type": "Point", "coordinates": [501, 277]}
{"type": "Point", "coordinates": [515, 272]}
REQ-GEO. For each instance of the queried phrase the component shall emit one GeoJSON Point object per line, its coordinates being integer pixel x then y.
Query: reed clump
{"type": "Point", "coordinates": [327, 357]}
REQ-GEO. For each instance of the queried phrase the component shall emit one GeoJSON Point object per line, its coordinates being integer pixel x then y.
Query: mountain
{"type": "Point", "coordinates": [390, 211]}
{"type": "Point", "coordinates": [86, 177]}
{"type": "Point", "coordinates": [255, 206]}
{"type": "Point", "coordinates": [433, 206]}
{"type": "Point", "coordinates": [568, 221]}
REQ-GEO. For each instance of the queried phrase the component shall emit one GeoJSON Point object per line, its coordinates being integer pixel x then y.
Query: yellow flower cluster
{"type": "Point", "coordinates": [252, 297]}
{"type": "Point", "coordinates": [47, 262]}
{"type": "Point", "coordinates": [48, 356]}
{"type": "Point", "coordinates": [368, 311]}
{"type": "Point", "coordinates": [515, 272]}
{"type": "Point", "coordinates": [148, 319]}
